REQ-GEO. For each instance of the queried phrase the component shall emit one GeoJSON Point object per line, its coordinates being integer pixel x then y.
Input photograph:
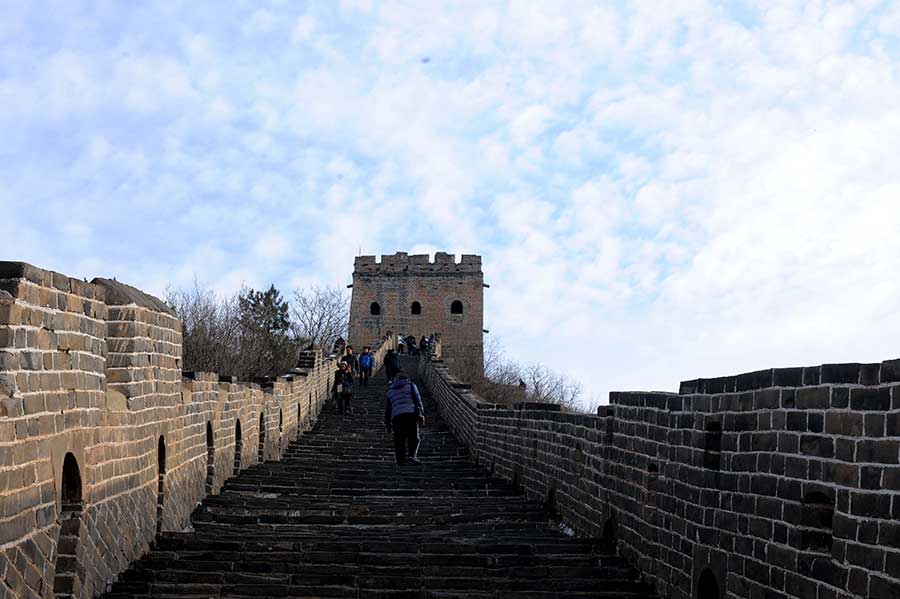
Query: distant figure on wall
{"type": "Point", "coordinates": [391, 365]}
{"type": "Point", "coordinates": [343, 388]}
{"type": "Point", "coordinates": [411, 345]}
{"type": "Point", "coordinates": [366, 364]}
{"type": "Point", "coordinates": [401, 345]}
{"type": "Point", "coordinates": [403, 413]}
{"type": "Point", "coordinates": [423, 345]}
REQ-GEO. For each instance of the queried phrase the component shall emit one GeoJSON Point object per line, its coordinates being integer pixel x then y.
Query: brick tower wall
{"type": "Point", "coordinates": [399, 280]}
{"type": "Point", "coordinates": [94, 370]}
{"type": "Point", "coordinates": [728, 479]}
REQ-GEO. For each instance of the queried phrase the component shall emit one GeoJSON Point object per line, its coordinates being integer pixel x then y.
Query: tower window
{"type": "Point", "coordinates": [375, 309]}
{"type": "Point", "coordinates": [456, 307]}
{"type": "Point", "coordinates": [416, 308]}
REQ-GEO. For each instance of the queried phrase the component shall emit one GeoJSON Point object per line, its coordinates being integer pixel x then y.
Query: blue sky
{"type": "Point", "coordinates": [660, 191]}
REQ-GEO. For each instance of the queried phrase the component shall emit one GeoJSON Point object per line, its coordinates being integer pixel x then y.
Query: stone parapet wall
{"type": "Point", "coordinates": [90, 376]}
{"type": "Point", "coordinates": [762, 491]}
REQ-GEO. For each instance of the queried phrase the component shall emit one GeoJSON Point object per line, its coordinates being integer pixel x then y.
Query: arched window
{"type": "Point", "coordinates": [416, 308]}
{"type": "Point", "coordinates": [238, 446]}
{"type": "Point", "coordinates": [262, 438]}
{"type": "Point", "coordinates": [707, 586]}
{"type": "Point", "coordinates": [160, 482]}
{"type": "Point", "coordinates": [375, 309]}
{"type": "Point", "coordinates": [66, 581]}
{"type": "Point", "coordinates": [210, 459]}
{"type": "Point", "coordinates": [456, 307]}
{"type": "Point", "coordinates": [816, 518]}
{"type": "Point", "coordinates": [280, 421]}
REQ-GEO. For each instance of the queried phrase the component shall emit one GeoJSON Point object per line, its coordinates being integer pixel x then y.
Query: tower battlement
{"type": "Point", "coordinates": [420, 264]}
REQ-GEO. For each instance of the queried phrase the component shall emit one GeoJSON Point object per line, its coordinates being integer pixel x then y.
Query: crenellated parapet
{"type": "Point", "coordinates": [402, 263]}
{"type": "Point", "coordinates": [104, 441]}
{"type": "Point", "coordinates": [776, 483]}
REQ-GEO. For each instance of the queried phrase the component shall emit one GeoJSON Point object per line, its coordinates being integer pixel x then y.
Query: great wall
{"type": "Point", "coordinates": [120, 474]}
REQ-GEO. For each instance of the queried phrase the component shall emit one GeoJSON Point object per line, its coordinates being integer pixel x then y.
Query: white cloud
{"type": "Point", "coordinates": [304, 28]}
{"type": "Point", "coordinates": [272, 246]}
{"type": "Point", "coordinates": [678, 190]}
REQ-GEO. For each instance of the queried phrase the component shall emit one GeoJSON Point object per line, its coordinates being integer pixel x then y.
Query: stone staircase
{"type": "Point", "coordinates": [337, 518]}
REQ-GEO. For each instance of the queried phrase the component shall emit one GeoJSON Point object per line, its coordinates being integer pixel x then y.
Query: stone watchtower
{"type": "Point", "coordinates": [414, 296]}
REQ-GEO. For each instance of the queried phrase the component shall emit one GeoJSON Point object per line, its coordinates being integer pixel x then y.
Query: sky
{"type": "Point", "coordinates": [659, 190]}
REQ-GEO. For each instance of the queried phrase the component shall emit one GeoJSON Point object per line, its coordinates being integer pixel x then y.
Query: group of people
{"type": "Point", "coordinates": [403, 409]}
{"type": "Point", "coordinates": [349, 366]}
{"type": "Point", "coordinates": [407, 345]}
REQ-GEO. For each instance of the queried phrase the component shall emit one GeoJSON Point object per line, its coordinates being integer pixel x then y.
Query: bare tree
{"type": "Point", "coordinates": [320, 315]}
{"type": "Point", "coordinates": [210, 328]}
{"type": "Point", "coordinates": [506, 382]}
{"type": "Point", "coordinates": [247, 335]}
{"type": "Point", "coordinates": [547, 386]}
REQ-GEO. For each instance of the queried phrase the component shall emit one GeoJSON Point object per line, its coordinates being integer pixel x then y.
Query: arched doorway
{"type": "Point", "coordinates": [707, 586]}
{"type": "Point", "coordinates": [67, 580]}
{"type": "Point", "coordinates": [161, 482]}
{"type": "Point", "coordinates": [210, 459]}
{"type": "Point", "coordinates": [238, 446]}
{"type": "Point", "coordinates": [375, 309]}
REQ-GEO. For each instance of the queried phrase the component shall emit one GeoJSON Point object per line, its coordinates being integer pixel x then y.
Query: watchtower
{"type": "Point", "coordinates": [414, 296]}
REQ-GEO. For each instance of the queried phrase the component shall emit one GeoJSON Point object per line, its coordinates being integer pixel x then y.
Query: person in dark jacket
{"type": "Point", "coordinates": [423, 345]}
{"type": "Point", "coordinates": [351, 360]}
{"type": "Point", "coordinates": [366, 364]}
{"type": "Point", "coordinates": [403, 412]}
{"type": "Point", "coordinates": [343, 388]}
{"type": "Point", "coordinates": [391, 365]}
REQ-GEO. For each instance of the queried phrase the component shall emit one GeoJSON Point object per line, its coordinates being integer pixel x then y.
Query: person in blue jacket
{"type": "Point", "coordinates": [366, 364]}
{"type": "Point", "coordinates": [403, 413]}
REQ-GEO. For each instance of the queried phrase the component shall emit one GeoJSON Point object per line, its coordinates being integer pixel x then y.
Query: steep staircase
{"type": "Point", "coordinates": [337, 518]}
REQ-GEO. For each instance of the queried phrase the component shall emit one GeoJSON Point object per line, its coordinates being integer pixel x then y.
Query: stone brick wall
{"type": "Point", "coordinates": [94, 407]}
{"type": "Point", "coordinates": [400, 280]}
{"type": "Point", "coordinates": [778, 483]}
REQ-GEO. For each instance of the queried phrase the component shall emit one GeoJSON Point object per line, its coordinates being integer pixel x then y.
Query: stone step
{"type": "Point", "coordinates": [337, 518]}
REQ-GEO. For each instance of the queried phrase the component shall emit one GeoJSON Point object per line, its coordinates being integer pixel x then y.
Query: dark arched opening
{"type": "Point", "coordinates": [238, 446]}
{"type": "Point", "coordinates": [375, 309]}
{"type": "Point", "coordinates": [262, 438]}
{"type": "Point", "coordinates": [550, 505]}
{"type": "Point", "coordinates": [67, 580]}
{"type": "Point", "coordinates": [416, 308]}
{"type": "Point", "coordinates": [712, 453]}
{"type": "Point", "coordinates": [517, 485]}
{"type": "Point", "coordinates": [161, 481]}
{"type": "Point", "coordinates": [816, 519]}
{"type": "Point", "coordinates": [210, 459]}
{"type": "Point", "coordinates": [456, 307]}
{"type": "Point", "coordinates": [280, 421]}
{"type": "Point", "coordinates": [707, 586]}
{"type": "Point", "coordinates": [608, 540]}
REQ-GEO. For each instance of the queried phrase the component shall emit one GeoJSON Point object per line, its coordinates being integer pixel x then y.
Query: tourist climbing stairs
{"type": "Point", "coordinates": [337, 518]}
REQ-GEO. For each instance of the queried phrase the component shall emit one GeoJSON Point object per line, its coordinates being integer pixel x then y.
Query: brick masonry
{"type": "Point", "coordinates": [399, 280]}
{"type": "Point", "coordinates": [772, 484]}
{"type": "Point", "coordinates": [94, 370]}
